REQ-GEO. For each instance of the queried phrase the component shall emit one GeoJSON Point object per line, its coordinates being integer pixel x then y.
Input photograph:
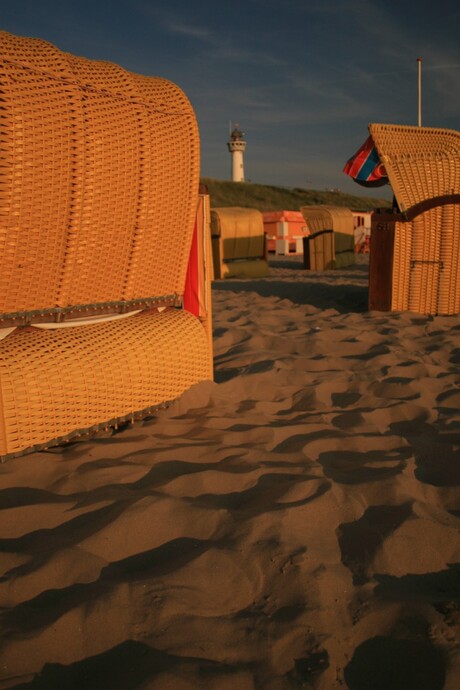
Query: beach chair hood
{"type": "Point", "coordinates": [422, 164]}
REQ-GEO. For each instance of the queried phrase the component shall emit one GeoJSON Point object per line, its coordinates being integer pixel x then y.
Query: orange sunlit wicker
{"type": "Point", "coordinates": [415, 251]}
{"type": "Point", "coordinates": [98, 208]}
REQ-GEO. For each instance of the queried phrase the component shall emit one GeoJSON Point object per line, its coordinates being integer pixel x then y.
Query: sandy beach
{"type": "Point", "coordinates": [293, 524]}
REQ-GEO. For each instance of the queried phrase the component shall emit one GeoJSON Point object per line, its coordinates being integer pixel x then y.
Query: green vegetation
{"type": "Point", "coordinates": [269, 198]}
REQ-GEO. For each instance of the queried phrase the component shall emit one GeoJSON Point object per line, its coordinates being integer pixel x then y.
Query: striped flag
{"type": "Point", "coordinates": [365, 166]}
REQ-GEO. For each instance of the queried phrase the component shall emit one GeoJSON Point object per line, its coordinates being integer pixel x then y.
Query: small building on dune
{"type": "Point", "coordinates": [285, 231]}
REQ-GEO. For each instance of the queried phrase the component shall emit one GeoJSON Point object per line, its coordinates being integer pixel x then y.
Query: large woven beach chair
{"type": "Point", "coordinates": [415, 251]}
{"type": "Point", "coordinates": [331, 240]}
{"type": "Point", "coordinates": [104, 291]}
{"type": "Point", "coordinates": [238, 243]}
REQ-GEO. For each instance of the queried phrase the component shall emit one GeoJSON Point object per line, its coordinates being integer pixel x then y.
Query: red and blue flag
{"type": "Point", "coordinates": [365, 166]}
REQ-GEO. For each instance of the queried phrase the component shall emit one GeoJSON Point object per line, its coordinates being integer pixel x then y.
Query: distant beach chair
{"type": "Point", "coordinates": [415, 251]}
{"type": "Point", "coordinates": [331, 241]}
{"type": "Point", "coordinates": [238, 243]}
{"type": "Point", "coordinates": [105, 299]}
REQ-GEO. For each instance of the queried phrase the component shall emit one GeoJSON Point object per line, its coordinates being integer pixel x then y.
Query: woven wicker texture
{"type": "Point", "coordinates": [237, 234]}
{"type": "Point", "coordinates": [343, 226]}
{"type": "Point", "coordinates": [421, 162]}
{"type": "Point", "coordinates": [318, 251]}
{"type": "Point", "coordinates": [317, 217]}
{"type": "Point", "coordinates": [338, 219]}
{"type": "Point", "coordinates": [53, 383]}
{"type": "Point", "coordinates": [426, 263]}
{"type": "Point", "coordinates": [100, 171]}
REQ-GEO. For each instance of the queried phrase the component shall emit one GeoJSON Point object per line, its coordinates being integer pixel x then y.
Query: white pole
{"type": "Point", "coordinates": [419, 62]}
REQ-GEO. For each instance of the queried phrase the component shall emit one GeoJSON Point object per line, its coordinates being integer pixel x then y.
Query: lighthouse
{"type": "Point", "coordinates": [236, 146]}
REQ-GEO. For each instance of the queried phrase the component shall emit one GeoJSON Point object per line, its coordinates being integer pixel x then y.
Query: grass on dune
{"type": "Point", "coordinates": [271, 198]}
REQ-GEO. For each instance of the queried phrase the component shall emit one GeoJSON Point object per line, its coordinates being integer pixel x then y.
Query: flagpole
{"type": "Point", "coordinates": [419, 62]}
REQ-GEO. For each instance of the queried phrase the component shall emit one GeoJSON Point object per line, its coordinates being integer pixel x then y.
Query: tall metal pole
{"type": "Point", "coordinates": [419, 62]}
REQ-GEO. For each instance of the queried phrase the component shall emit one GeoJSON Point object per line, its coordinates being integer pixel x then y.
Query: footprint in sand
{"type": "Point", "coordinates": [387, 663]}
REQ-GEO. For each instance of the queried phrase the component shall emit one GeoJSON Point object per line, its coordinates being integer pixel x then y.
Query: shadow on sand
{"type": "Point", "coordinates": [345, 290]}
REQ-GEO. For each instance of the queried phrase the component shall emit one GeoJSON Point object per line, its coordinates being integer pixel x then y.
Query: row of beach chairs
{"type": "Point", "coordinates": [243, 238]}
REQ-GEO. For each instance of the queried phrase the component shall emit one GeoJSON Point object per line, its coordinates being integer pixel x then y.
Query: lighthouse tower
{"type": "Point", "coordinates": [236, 146]}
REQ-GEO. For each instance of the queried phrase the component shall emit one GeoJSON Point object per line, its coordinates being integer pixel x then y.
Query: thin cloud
{"type": "Point", "coordinates": [173, 23]}
{"type": "Point", "coordinates": [190, 30]}
{"type": "Point", "coordinates": [218, 46]}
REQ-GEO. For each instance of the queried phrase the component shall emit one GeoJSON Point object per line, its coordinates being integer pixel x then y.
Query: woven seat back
{"type": "Point", "coordinates": [422, 163]}
{"type": "Point", "coordinates": [335, 252]}
{"type": "Point", "coordinates": [100, 181]}
{"type": "Point", "coordinates": [318, 218]}
{"type": "Point", "coordinates": [241, 231]}
{"type": "Point", "coordinates": [343, 226]}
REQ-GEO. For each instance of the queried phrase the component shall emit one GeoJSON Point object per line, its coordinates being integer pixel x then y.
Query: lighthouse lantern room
{"type": "Point", "coordinates": [237, 146]}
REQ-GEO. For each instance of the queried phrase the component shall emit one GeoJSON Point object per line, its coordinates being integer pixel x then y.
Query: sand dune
{"type": "Point", "coordinates": [294, 524]}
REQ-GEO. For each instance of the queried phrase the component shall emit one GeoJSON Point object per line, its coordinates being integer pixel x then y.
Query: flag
{"type": "Point", "coordinates": [365, 166]}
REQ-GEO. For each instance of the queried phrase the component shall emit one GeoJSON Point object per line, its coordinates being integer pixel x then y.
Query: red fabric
{"type": "Point", "coordinates": [192, 281]}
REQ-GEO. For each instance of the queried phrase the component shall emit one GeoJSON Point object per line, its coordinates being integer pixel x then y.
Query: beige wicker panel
{"type": "Point", "coordinates": [340, 220]}
{"type": "Point", "coordinates": [401, 266]}
{"type": "Point", "coordinates": [449, 286]}
{"type": "Point", "coordinates": [421, 162]}
{"type": "Point", "coordinates": [319, 251]}
{"type": "Point", "coordinates": [109, 162]}
{"type": "Point", "coordinates": [100, 180]}
{"type": "Point", "coordinates": [426, 262]}
{"type": "Point", "coordinates": [168, 190]}
{"type": "Point", "coordinates": [318, 218]}
{"type": "Point", "coordinates": [241, 228]}
{"type": "Point", "coordinates": [35, 54]}
{"type": "Point", "coordinates": [238, 234]}
{"type": "Point", "coordinates": [57, 383]}
{"type": "Point", "coordinates": [344, 235]}
{"type": "Point", "coordinates": [37, 177]}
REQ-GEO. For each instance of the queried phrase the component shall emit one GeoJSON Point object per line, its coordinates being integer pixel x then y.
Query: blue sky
{"type": "Point", "coordinates": [303, 78]}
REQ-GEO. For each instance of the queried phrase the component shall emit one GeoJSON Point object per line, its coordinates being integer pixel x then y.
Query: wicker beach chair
{"type": "Point", "coordinates": [331, 240]}
{"type": "Point", "coordinates": [238, 243]}
{"type": "Point", "coordinates": [415, 251]}
{"type": "Point", "coordinates": [104, 290]}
